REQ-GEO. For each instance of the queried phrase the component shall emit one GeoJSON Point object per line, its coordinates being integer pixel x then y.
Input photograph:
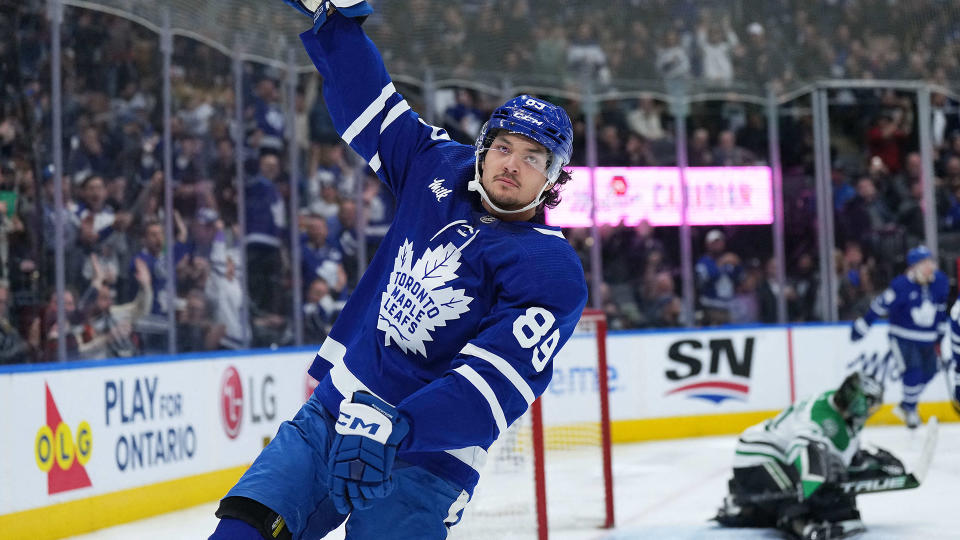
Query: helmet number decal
{"type": "Point", "coordinates": [530, 329]}
{"type": "Point", "coordinates": [535, 104]}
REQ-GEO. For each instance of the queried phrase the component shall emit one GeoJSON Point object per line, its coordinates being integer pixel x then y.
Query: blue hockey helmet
{"type": "Point", "coordinates": [541, 121]}
{"type": "Point", "coordinates": [537, 119]}
{"type": "Point", "coordinates": [918, 254]}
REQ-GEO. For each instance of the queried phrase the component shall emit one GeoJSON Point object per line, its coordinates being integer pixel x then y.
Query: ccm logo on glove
{"type": "Point", "coordinates": [364, 420]}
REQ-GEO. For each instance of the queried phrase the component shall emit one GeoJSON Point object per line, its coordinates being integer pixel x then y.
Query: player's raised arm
{"type": "Point", "coordinates": [367, 111]}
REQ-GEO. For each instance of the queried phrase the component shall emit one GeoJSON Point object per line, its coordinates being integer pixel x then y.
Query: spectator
{"type": "Point", "coordinates": [699, 153]}
{"type": "Point", "coordinates": [110, 326]}
{"type": "Point", "coordinates": [673, 60]}
{"type": "Point", "coordinates": [717, 44]}
{"type": "Point", "coordinates": [728, 154]}
{"type": "Point", "coordinates": [319, 259]}
{"type": "Point", "coordinates": [805, 282]}
{"type": "Point", "coordinates": [319, 312]}
{"type": "Point", "coordinates": [645, 120]}
{"type": "Point", "coordinates": [718, 274]}
{"type": "Point", "coordinates": [88, 157]}
{"type": "Point", "coordinates": [864, 215]}
{"type": "Point", "coordinates": [661, 305]}
{"type": "Point", "coordinates": [225, 291]}
{"type": "Point", "coordinates": [153, 328]}
{"type": "Point", "coordinates": [13, 348]}
{"type": "Point", "coordinates": [887, 137]}
{"type": "Point", "coordinates": [637, 152]}
{"type": "Point", "coordinates": [196, 329]}
{"type": "Point", "coordinates": [343, 236]}
{"type": "Point", "coordinates": [266, 220]}
{"type": "Point", "coordinates": [93, 217]}
{"type": "Point", "coordinates": [768, 291]}
{"type": "Point", "coordinates": [268, 115]}
{"type": "Point", "coordinates": [856, 284]}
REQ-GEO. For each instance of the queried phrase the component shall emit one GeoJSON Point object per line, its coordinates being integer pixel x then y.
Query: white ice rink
{"type": "Point", "coordinates": [668, 490]}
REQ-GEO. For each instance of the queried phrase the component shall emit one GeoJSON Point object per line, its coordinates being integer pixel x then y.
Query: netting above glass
{"type": "Point", "coordinates": [695, 46]}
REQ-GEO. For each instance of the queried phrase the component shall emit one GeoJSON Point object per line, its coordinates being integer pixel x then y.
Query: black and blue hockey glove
{"type": "Point", "coordinates": [363, 451]}
{"type": "Point", "coordinates": [318, 10]}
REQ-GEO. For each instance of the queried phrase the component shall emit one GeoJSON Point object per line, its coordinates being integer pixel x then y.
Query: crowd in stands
{"type": "Point", "coordinates": [114, 217]}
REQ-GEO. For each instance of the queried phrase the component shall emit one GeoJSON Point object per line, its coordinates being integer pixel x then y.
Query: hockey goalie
{"type": "Point", "coordinates": [795, 472]}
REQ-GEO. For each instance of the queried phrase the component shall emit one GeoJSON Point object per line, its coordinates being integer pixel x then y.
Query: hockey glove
{"type": "Point", "coordinates": [318, 10]}
{"type": "Point", "coordinates": [363, 451]}
{"type": "Point", "coordinates": [874, 463]}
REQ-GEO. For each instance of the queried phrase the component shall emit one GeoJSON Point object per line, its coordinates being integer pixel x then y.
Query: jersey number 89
{"type": "Point", "coordinates": [530, 328]}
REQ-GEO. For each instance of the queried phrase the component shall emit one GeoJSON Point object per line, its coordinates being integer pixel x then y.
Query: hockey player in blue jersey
{"type": "Point", "coordinates": [916, 305]}
{"type": "Point", "coordinates": [450, 334]}
{"type": "Point", "coordinates": [954, 389]}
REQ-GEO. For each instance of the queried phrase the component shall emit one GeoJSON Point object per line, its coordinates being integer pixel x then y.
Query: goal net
{"type": "Point", "coordinates": [550, 472]}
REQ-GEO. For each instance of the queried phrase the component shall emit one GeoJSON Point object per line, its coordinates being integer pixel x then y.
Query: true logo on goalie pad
{"type": "Point", "coordinates": [876, 484]}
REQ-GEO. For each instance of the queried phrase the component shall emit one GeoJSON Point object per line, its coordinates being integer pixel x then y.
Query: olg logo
{"type": "Point", "coordinates": [61, 447]}
{"type": "Point", "coordinates": [61, 452]}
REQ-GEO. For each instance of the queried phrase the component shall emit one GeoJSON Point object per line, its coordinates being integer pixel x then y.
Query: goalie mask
{"type": "Point", "coordinates": [858, 398]}
{"type": "Point", "coordinates": [538, 120]}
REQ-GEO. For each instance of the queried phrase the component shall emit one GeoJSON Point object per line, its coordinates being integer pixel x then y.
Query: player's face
{"type": "Point", "coordinates": [926, 269]}
{"type": "Point", "coordinates": [514, 171]}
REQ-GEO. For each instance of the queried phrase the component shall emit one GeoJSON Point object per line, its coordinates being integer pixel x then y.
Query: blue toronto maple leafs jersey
{"type": "Point", "coordinates": [917, 313]}
{"type": "Point", "coordinates": [459, 315]}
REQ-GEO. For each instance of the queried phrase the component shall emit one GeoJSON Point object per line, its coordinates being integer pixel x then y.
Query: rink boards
{"type": "Point", "coordinates": [93, 444]}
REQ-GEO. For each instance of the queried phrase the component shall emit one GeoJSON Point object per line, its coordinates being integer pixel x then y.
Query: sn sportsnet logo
{"type": "Point", "coordinates": [62, 453]}
{"type": "Point", "coordinates": [417, 299]}
{"type": "Point", "coordinates": [713, 370]}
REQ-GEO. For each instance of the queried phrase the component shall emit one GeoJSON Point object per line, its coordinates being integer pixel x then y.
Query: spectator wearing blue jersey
{"type": "Point", "coordinates": [318, 258]}
{"type": "Point", "coordinates": [266, 220]}
{"type": "Point", "coordinates": [915, 303]}
{"type": "Point", "coordinates": [450, 333]}
{"type": "Point", "coordinates": [718, 273]}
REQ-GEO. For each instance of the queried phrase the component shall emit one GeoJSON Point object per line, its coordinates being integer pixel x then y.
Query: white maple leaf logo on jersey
{"type": "Point", "coordinates": [924, 314]}
{"type": "Point", "coordinates": [417, 301]}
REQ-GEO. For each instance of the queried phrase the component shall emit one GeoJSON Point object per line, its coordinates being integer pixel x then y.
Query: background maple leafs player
{"type": "Point", "coordinates": [915, 302]}
{"type": "Point", "coordinates": [451, 331]}
{"type": "Point", "coordinates": [787, 470]}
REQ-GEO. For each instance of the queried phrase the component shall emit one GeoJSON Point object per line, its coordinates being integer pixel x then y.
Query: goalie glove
{"type": "Point", "coordinates": [363, 451]}
{"type": "Point", "coordinates": [874, 463]}
{"type": "Point", "coordinates": [319, 10]}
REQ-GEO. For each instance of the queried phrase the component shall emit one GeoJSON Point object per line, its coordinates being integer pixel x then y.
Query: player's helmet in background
{"type": "Point", "coordinates": [858, 397]}
{"type": "Point", "coordinates": [917, 254]}
{"type": "Point", "coordinates": [541, 121]}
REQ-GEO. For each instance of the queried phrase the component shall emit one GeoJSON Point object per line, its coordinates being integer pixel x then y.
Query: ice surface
{"type": "Point", "coordinates": [669, 490]}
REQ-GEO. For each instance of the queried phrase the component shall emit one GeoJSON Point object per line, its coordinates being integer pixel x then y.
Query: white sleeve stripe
{"type": "Point", "coordinates": [476, 380]}
{"type": "Point", "coordinates": [394, 113]}
{"type": "Point", "coordinates": [375, 162]}
{"type": "Point", "coordinates": [367, 116]}
{"type": "Point", "coordinates": [861, 326]}
{"type": "Point", "coordinates": [504, 368]}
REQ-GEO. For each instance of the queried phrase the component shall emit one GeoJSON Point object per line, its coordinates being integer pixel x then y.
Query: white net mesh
{"type": "Point", "coordinates": [505, 502]}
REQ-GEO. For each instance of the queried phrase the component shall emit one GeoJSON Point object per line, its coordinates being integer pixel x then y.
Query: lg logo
{"type": "Point", "coordinates": [231, 402]}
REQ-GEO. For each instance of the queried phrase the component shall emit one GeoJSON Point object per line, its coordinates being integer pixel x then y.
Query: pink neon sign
{"type": "Point", "coordinates": [718, 196]}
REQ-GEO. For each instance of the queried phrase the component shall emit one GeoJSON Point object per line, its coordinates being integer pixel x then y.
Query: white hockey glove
{"type": "Point", "coordinates": [319, 10]}
{"type": "Point", "coordinates": [363, 451]}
